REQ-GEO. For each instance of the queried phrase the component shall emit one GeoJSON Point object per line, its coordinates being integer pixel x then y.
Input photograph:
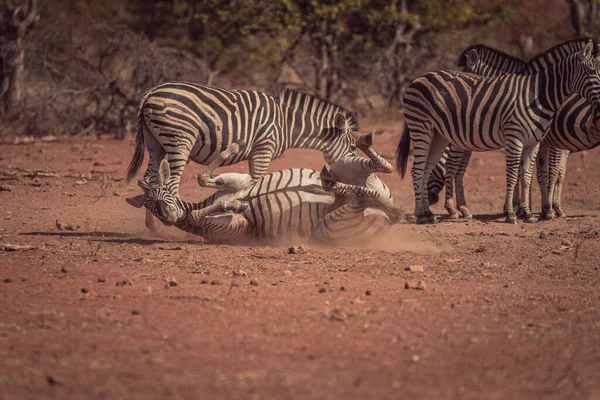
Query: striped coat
{"type": "Point", "coordinates": [479, 113]}
{"type": "Point", "coordinates": [186, 121]}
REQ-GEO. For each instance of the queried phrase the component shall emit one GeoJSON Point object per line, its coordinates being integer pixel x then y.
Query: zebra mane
{"type": "Point", "coordinates": [491, 56]}
{"type": "Point", "coordinates": [289, 96]}
{"type": "Point", "coordinates": [559, 52]}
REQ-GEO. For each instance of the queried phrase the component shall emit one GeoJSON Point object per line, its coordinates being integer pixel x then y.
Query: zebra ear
{"type": "Point", "coordinates": [137, 201]}
{"type": "Point", "coordinates": [340, 121]}
{"type": "Point", "coordinates": [586, 53]}
{"type": "Point", "coordinates": [472, 58]}
{"type": "Point", "coordinates": [164, 172]}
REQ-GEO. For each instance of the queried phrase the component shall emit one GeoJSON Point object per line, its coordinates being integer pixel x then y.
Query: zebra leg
{"type": "Point", "coordinates": [557, 195]}
{"type": "Point", "coordinates": [461, 201]}
{"type": "Point", "coordinates": [452, 164]}
{"type": "Point", "coordinates": [260, 159]}
{"type": "Point", "coordinates": [543, 165]}
{"type": "Point", "coordinates": [434, 154]}
{"type": "Point", "coordinates": [156, 153]}
{"type": "Point", "coordinates": [513, 150]}
{"type": "Point", "coordinates": [377, 163]}
{"type": "Point", "coordinates": [224, 228]}
{"type": "Point", "coordinates": [205, 178]}
{"type": "Point", "coordinates": [528, 157]}
{"type": "Point", "coordinates": [330, 185]}
{"type": "Point", "coordinates": [196, 217]}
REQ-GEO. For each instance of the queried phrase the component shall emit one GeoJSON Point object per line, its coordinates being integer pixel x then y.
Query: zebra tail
{"type": "Point", "coordinates": [138, 156]}
{"type": "Point", "coordinates": [403, 151]}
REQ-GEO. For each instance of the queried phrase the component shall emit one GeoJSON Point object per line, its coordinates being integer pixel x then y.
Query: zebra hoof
{"type": "Point", "coordinates": [464, 211]}
{"type": "Point", "coordinates": [521, 214]}
{"type": "Point", "coordinates": [454, 215]}
{"type": "Point", "coordinates": [546, 216]}
{"type": "Point", "coordinates": [530, 219]}
{"type": "Point", "coordinates": [512, 219]}
{"type": "Point", "coordinates": [559, 212]}
{"type": "Point", "coordinates": [365, 141]}
{"type": "Point", "coordinates": [423, 220]}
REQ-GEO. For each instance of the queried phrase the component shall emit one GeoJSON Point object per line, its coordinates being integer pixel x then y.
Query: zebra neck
{"type": "Point", "coordinates": [550, 87]}
{"type": "Point", "coordinates": [187, 208]}
{"type": "Point", "coordinates": [307, 127]}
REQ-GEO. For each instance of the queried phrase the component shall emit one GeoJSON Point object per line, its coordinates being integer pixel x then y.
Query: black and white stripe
{"type": "Point", "coordinates": [476, 113]}
{"type": "Point", "coordinates": [187, 121]}
{"type": "Point", "coordinates": [575, 127]}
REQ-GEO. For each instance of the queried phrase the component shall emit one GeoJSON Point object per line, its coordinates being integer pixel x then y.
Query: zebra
{"type": "Point", "coordinates": [573, 128]}
{"type": "Point", "coordinates": [479, 113]}
{"type": "Point", "coordinates": [187, 121]}
{"type": "Point", "coordinates": [450, 170]}
{"type": "Point", "coordinates": [284, 205]}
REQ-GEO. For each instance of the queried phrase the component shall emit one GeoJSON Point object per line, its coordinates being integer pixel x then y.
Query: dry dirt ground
{"type": "Point", "coordinates": [108, 311]}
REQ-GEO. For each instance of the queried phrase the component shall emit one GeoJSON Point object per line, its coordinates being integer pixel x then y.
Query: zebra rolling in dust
{"type": "Point", "coordinates": [187, 121]}
{"type": "Point", "coordinates": [284, 205]}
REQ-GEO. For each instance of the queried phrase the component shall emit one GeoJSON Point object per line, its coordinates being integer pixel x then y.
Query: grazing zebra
{"type": "Point", "coordinates": [284, 205]}
{"type": "Point", "coordinates": [575, 127]}
{"type": "Point", "coordinates": [473, 112]}
{"type": "Point", "coordinates": [196, 122]}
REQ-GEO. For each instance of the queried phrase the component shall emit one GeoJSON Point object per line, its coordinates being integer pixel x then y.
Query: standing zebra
{"type": "Point", "coordinates": [450, 170]}
{"type": "Point", "coordinates": [575, 127]}
{"type": "Point", "coordinates": [283, 205]}
{"type": "Point", "coordinates": [190, 121]}
{"type": "Point", "coordinates": [480, 113]}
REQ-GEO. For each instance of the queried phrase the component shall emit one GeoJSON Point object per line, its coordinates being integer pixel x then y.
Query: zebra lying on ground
{"type": "Point", "coordinates": [575, 127]}
{"type": "Point", "coordinates": [284, 205]}
{"type": "Point", "coordinates": [480, 113]}
{"type": "Point", "coordinates": [196, 122]}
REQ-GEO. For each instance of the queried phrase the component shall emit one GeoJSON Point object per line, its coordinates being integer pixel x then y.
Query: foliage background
{"type": "Point", "coordinates": [88, 62]}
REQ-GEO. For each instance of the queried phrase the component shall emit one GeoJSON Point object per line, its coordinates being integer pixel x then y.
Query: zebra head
{"type": "Point", "coordinates": [158, 198]}
{"type": "Point", "coordinates": [340, 138]}
{"type": "Point", "coordinates": [586, 75]}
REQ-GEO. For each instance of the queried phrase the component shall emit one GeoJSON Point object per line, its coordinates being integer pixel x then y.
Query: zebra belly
{"type": "Point", "coordinates": [287, 214]}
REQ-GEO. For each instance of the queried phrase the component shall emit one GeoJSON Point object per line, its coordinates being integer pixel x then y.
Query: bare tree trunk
{"type": "Point", "coordinates": [19, 18]}
{"type": "Point", "coordinates": [576, 10]}
{"type": "Point", "coordinates": [592, 14]}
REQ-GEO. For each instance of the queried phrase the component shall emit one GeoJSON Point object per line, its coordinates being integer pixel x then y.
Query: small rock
{"type": "Point", "coordinates": [7, 280]}
{"type": "Point", "coordinates": [542, 235]}
{"type": "Point", "coordinates": [135, 312]}
{"type": "Point", "coordinates": [101, 279]}
{"type": "Point", "coordinates": [287, 272]}
{"type": "Point", "coordinates": [240, 273]}
{"type": "Point", "coordinates": [298, 250]}
{"type": "Point", "coordinates": [172, 283]}
{"type": "Point", "coordinates": [84, 290]}
{"type": "Point", "coordinates": [420, 285]}
{"type": "Point", "coordinates": [492, 178]}
{"type": "Point", "coordinates": [557, 252]}
{"type": "Point", "coordinates": [80, 182]}
{"type": "Point", "coordinates": [215, 282]}
{"type": "Point", "coordinates": [342, 289]}
{"type": "Point", "coordinates": [415, 358]}
{"type": "Point", "coordinates": [415, 268]}
{"type": "Point", "coordinates": [203, 282]}
{"type": "Point", "coordinates": [64, 270]}
{"type": "Point", "coordinates": [117, 193]}
{"type": "Point", "coordinates": [566, 242]}
{"type": "Point", "coordinates": [253, 283]}
{"type": "Point", "coordinates": [124, 283]}
{"type": "Point", "coordinates": [322, 290]}
{"type": "Point", "coordinates": [368, 293]}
